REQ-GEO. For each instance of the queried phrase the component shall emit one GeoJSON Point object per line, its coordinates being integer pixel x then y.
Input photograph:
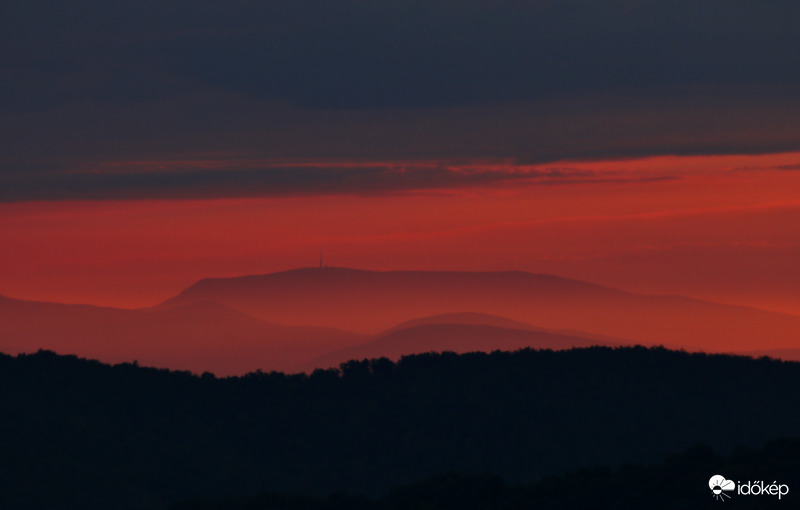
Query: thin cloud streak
{"type": "Point", "coordinates": [207, 180]}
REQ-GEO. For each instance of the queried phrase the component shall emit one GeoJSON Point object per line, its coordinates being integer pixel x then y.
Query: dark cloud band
{"type": "Point", "coordinates": [87, 81]}
{"type": "Point", "coordinates": [223, 181]}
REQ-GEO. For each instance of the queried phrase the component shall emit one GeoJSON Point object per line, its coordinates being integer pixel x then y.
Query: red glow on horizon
{"type": "Point", "coordinates": [723, 227]}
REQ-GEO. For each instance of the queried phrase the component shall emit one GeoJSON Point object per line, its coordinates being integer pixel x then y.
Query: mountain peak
{"type": "Point", "coordinates": [373, 301]}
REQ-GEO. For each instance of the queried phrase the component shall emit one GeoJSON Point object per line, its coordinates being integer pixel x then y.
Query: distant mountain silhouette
{"type": "Point", "coordinates": [486, 319]}
{"type": "Point", "coordinates": [464, 318]}
{"type": "Point", "coordinates": [410, 338]}
{"type": "Point", "coordinates": [372, 301]}
{"type": "Point", "coordinates": [200, 336]}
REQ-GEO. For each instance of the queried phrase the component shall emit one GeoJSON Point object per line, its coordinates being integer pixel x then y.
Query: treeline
{"type": "Point", "coordinates": [679, 482]}
{"type": "Point", "coordinates": [80, 434]}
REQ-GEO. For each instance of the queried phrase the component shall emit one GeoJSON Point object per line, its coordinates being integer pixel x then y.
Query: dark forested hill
{"type": "Point", "coordinates": [460, 338]}
{"type": "Point", "coordinates": [679, 482]}
{"type": "Point", "coordinates": [80, 434]}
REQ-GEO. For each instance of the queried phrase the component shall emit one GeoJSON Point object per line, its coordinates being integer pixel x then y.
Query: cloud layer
{"type": "Point", "coordinates": [219, 179]}
{"type": "Point", "coordinates": [86, 82]}
{"type": "Point", "coordinates": [364, 54]}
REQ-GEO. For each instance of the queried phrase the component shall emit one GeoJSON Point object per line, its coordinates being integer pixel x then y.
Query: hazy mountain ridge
{"type": "Point", "coordinates": [414, 338]}
{"type": "Point", "coordinates": [485, 319]}
{"type": "Point", "coordinates": [206, 336]}
{"type": "Point", "coordinates": [236, 325]}
{"type": "Point", "coordinates": [199, 336]}
{"type": "Point", "coordinates": [372, 301]}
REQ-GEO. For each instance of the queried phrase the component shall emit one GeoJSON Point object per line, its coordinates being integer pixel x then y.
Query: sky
{"type": "Point", "coordinates": [648, 145]}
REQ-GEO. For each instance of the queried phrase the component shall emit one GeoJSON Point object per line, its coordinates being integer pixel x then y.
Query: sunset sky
{"type": "Point", "coordinates": [648, 145]}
